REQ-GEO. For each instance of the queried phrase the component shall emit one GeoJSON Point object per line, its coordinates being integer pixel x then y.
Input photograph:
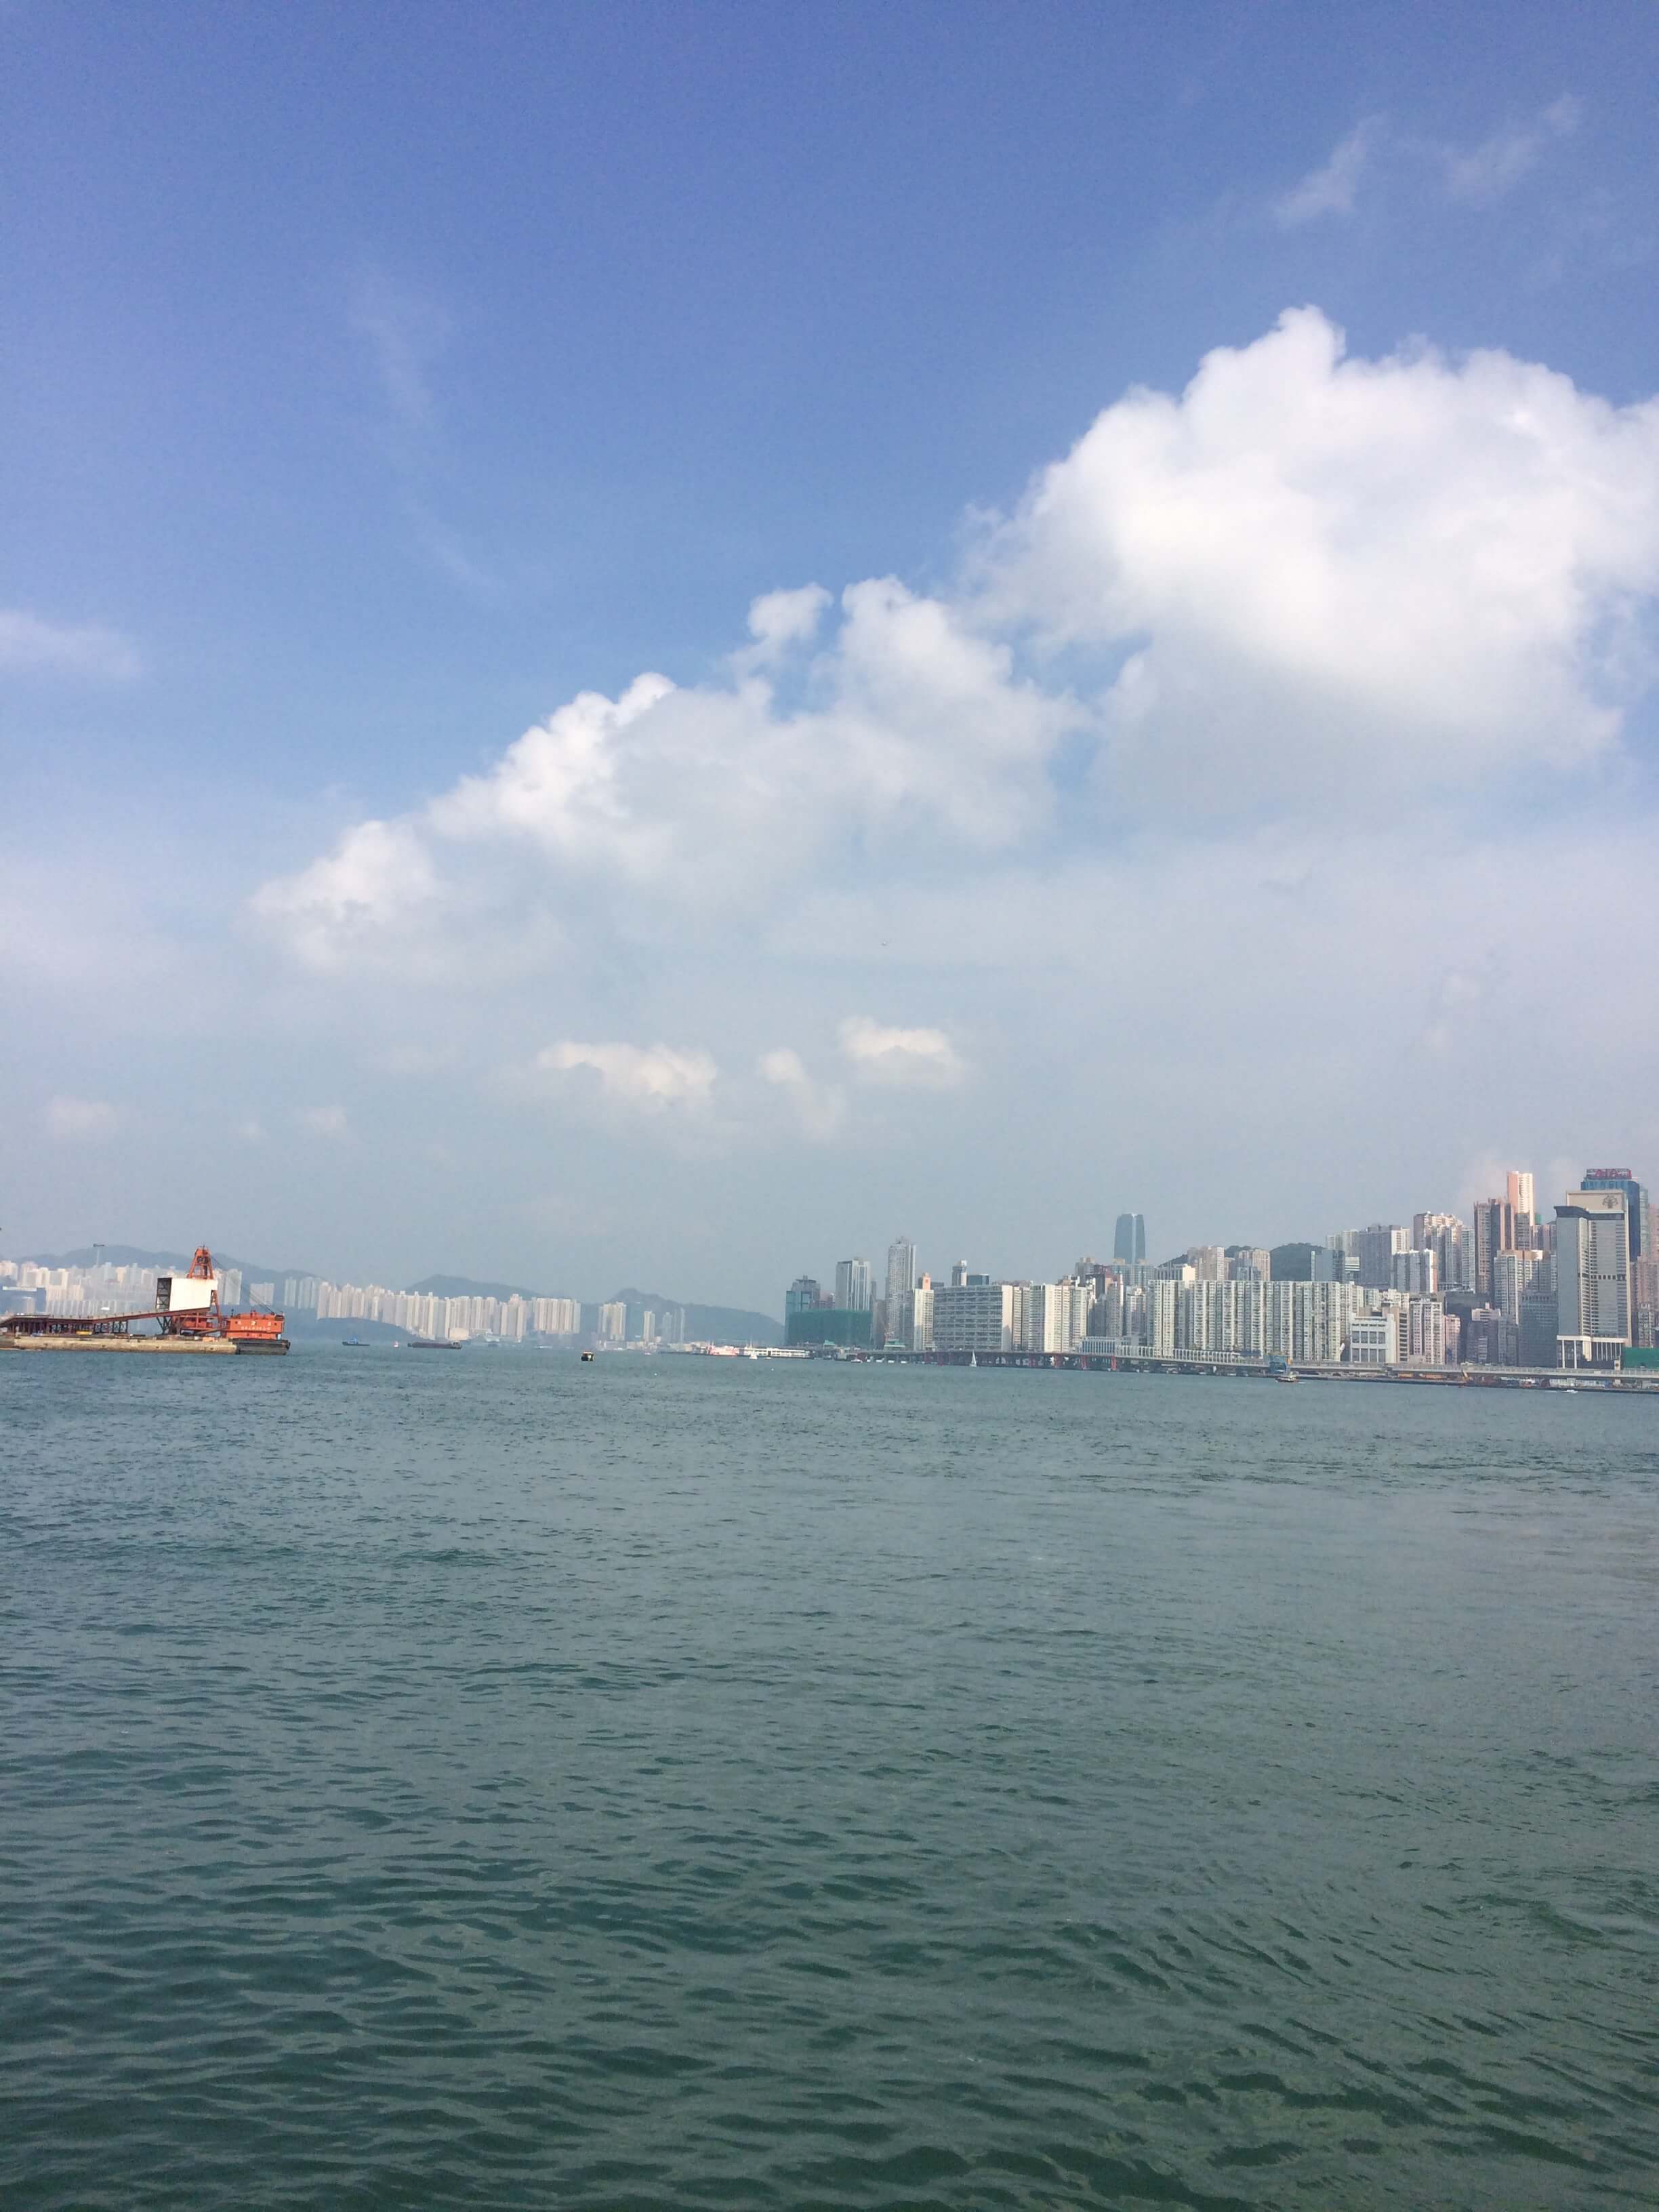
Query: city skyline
{"type": "Point", "coordinates": [1560, 1176]}
{"type": "Point", "coordinates": [1509, 1288]}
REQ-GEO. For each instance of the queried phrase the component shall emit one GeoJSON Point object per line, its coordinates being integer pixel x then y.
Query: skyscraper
{"type": "Point", "coordinates": [1636, 1202]}
{"type": "Point", "coordinates": [1378, 1246]}
{"type": "Point", "coordinates": [1494, 1232]}
{"type": "Point", "coordinates": [1444, 1234]}
{"type": "Point", "coordinates": [1129, 1244]}
{"type": "Point", "coordinates": [1592, 1276]}
{"type": "Point", "coordinates": [1518, 1193]}
{"type": "Point", "coordinates": [856, 1286]}
{"type": "Point", "coordinates": [901, 1286]}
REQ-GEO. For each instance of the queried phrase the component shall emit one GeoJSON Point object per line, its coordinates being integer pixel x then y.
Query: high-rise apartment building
{"type": "Point", "coordinates": [556, 1316]}
{"type": "Point", "coordinates": [1162, 1314]}
{"type": "Point", "coordinates": [901, 1276]}
{"type": "Point", "coordinates": [977, 1317]}
{"type": "Point", "coordinates": [1292, 1263]}
{"type": "Point", "coordinates": [1494, 1232]}
{"type": "Point", "coordinates": [1448, 1238]}
{"type": "Point", "coordinates": [1417, 1272]}
{"type": "Point", "coordinates": [1056, 1315]}
{"type": "Point", "coordinates": [1522, 1290]}
{"type": "Point", "coordinates": [1592, 1276]}
{"type": "Point", "coordinates": [1378, 1246]}
{"type": "Point", "coordinates": [856, 1286]}
{"type": "Point", "coordinates": [1250, 1263]}
{"type": "Point", "coordinates": [922, 1314]}
{"type": "Point", "coordinates": [1426, 1332]}
{"type": "Point", "coordinates": [1518, 1196]}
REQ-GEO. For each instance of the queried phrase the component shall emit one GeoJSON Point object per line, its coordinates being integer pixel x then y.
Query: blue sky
{"type": "Point", "coordinates": [1249, 821]}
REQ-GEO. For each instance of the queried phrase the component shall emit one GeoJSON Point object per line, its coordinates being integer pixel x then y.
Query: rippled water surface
{"type": "Point", "coordinates": [490, 1780]}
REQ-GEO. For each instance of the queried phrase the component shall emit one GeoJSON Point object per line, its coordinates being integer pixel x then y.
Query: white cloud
{"type": "Point", "coordinates": [820, 1107]}
{"type": "Point", "coordinates": [708, 800]}
{"type": "Point", "coordinates": [904, 1058]}
{"type": "Point", "coordinates": [1334, 576]}
{"type": "Point", "coordinates": [651, 1077]}
{"type": "Point", "coordinates": [356, 902]}
{"type": "Point", "coordinates": [1330, 190]}
{"type": "Point", "coordinates": [81, 1121]}
{"type": "Point", "coordinates": [31, 644]}
{"type": "Point", "coordinates": [780, 620]}
{"type": "Point", "coordinates": [1482, 175]}
{"type": "Point", "coordinates": [1308, 582]}
{"type": "Point", "coordinates": [325, 1121]}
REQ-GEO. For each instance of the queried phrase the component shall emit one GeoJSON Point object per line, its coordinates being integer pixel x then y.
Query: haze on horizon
{"type": "Point", "coordinates": [652, 648]}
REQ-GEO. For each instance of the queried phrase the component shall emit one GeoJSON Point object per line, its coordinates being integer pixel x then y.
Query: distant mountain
{"type": "Point", "coordinates": [730, 1325]}
{"type": "Point", "coordinates": [137, 1256]}
{"type": "Point", "coordinates": [711, 1324]}
{"type": "Point", "coordinates": [463, 1286]}
{"type": "Point", "coordinates": [308, 1329]}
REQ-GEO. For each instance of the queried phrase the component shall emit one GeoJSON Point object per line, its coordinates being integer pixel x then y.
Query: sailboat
{"type": "Point", "coordinates": [973, 1360]}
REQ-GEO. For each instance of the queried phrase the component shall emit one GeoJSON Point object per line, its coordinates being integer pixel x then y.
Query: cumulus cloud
{"type": "Point", "coordinates": [650, 1076]}
{"type": "Point", "coordinates": [1331, 576]}
{"type": "Point", "coordinates": [821, 1107]}
{"type": "Point", "coordinates": [708, 798]}
{"type": "Point", "coordinates": [355, 902]}
{"type": "Point", "coordinates": [903, 1059]}
{"type": "Point", "coordinates": [81, 1121]}
{"type": "Point", "coordinates": [1308, 580]}
{"type": "Point", "coordinates": [779, 620]}
{"type": "Point", "coordinates": [1330, 190]}
{"type": "Point", "coordinates": [30, 645]}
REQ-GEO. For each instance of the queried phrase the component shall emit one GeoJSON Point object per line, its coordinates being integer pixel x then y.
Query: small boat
{"type": "Point", "coordinates": [973, 1360]}
{"type": "Point", "coordinates": [588, 1355]}
{"type": "Point", "coordinates": [351, 1343]}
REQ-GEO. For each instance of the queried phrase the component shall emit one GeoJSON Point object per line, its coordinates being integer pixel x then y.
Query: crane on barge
{"type": "Point", "coordinates": [186, 1306]}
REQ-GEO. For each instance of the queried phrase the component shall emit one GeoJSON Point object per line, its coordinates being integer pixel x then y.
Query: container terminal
{"type": "Point", "coordinates": [186, 1319]}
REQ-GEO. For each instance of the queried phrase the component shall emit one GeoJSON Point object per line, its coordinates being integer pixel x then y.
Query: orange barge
{"type": "Point", "coordinates": [187, 1313]}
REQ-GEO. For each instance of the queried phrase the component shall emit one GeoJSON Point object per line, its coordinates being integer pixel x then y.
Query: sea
{"type": "Point", "coordinates": [671, 1781]}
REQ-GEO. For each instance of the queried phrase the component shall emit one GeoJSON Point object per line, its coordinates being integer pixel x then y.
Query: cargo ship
{"type": "Point", "coordinates": [186, 1317]}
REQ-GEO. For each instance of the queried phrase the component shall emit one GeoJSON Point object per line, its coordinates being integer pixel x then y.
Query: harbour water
{"type": "Point", "coordinates": [497, 1781]}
